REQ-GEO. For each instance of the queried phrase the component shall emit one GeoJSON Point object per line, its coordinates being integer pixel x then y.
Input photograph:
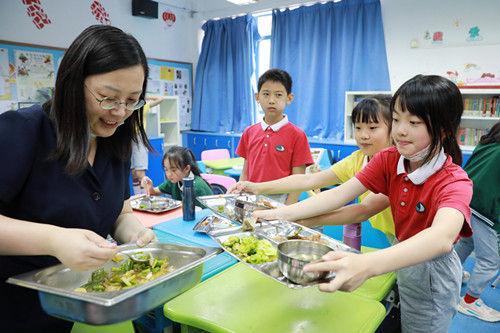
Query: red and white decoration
{"type": "Point", "coordinates": [100, 13]}
{"type": "Point", "coordinates": [34, 9]}
{"type": "Point", "coordinates": [168, 18]}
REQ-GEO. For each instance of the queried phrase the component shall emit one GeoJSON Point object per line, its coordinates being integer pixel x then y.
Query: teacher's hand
{"type": "Point", "coordinates": [81, 249]}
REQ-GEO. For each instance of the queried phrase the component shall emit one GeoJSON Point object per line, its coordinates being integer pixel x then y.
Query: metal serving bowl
{"type": "Point", "coordinates": [293, 255]}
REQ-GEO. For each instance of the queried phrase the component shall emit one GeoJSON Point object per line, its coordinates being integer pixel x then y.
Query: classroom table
{"type": "Point", "coordinates": [375, 288]}
{"type": "Point", "coordinates": [151, 219]}
{"type": "Point", "coordinates": [371, 293]}
{"type": "Point", "coordinates": [218, 166]}
{"type": "Point", "coordinates": [241, 299]}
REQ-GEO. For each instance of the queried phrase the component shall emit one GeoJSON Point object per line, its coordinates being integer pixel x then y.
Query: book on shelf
{"type": "Point", "coordinates": [482, 106]}
{"type": "Point", "coordinates": [470, 136]}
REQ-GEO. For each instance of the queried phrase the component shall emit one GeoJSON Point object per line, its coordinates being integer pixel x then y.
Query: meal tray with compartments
{"type": "Point", "coordinates": [154, 204]}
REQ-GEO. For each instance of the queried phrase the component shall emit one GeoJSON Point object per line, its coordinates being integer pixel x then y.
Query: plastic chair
{"type": "Point", "coordinates": [218, 183]}
{"type": "Point", "coordinates": [201, 166]}
{"type": "Point", "coordinates": [123, 327]}
{"type": "Point", "coordinates": [215, 154]}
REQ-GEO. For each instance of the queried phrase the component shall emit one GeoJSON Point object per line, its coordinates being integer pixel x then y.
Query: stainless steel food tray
{"type": "Point", "coordinates": [57, 284]}
{"type": "Point", "coordinates": [215, 225]}
{"type": "Point", "coordinates": [273, 231]}
{"type": "Point", "coordinates": [234, 206]}
{"type": "Point", "coordinates": [155, 204]}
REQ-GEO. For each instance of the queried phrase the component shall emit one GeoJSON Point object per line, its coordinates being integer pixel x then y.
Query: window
{"type": "Point", "coordinates": [263, 61]}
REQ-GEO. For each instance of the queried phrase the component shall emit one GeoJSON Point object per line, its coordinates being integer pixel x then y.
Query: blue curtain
{"type": "Point", "coordinates": [329, 49]}
{"type": "Point", "coordinates": [225, 79]}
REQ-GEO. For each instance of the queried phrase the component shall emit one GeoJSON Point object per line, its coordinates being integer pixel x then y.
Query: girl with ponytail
{"type": "Point", "coordinates": [178, 162]}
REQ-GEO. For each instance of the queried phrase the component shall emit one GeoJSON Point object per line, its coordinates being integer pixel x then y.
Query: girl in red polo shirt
{"type": "Point", "coordinates": [429, 196]}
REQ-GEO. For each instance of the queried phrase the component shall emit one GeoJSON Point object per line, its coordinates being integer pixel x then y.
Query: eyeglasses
{"type": "Point", "coordinates": [110, 103]}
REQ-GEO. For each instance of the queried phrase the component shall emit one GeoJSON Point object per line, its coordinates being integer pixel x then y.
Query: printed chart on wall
{"type": "Point", "coordinates": [27, 75]}
{"type": "Point", "coordinates": [28, 72]}
{"type": "Point", "coordinates": [169, 78]}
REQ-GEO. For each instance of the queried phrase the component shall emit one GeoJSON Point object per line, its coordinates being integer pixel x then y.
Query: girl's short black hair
{"type": "Point", "coordinates": [276, 75]}
{"type": "Point", "coordinates": [438, 102]}
{"type": "Point", "coordinates": [98, 49]}
{"type": "Point", "coordinates": [182, 157]}
{"type": "Point", "coordinates": [373, 109]}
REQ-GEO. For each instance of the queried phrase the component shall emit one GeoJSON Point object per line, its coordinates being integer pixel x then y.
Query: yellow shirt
{"type": "Point", "coordinates": [347, 168]}
{"type": "Point", "coordinates": [145, 110]}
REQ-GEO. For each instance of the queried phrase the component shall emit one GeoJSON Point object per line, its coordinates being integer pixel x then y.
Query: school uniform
{"type": "Point", "coordinates": [200, 186]}
{"type": "Point", "coordinates": [485, 206]}
{"type": "Point", "coordinates": [36, 188]}
{"type": "Point", "coordinates": [347, 168]}
{"type": "Point", "coordinates": [430, 291]}
{"type": "Point", "coordinates": [272, 151]}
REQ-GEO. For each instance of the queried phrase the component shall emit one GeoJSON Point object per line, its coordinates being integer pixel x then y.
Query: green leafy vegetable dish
{"type": "Point", "coordinates": [128, 274]}
{"type": "Point", "coordinates": [251, 249]}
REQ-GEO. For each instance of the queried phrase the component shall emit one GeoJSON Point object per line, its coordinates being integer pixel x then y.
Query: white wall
{"type": "Point", "coordinates": [70, 17]}
{"type": "Point", "coordinates": [405, 20]}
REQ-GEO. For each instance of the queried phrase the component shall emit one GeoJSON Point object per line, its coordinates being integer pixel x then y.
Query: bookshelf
{"type": "Point", "coordinates": [163, 121]}
{"type": "Point", "coordinates": [481, 112]}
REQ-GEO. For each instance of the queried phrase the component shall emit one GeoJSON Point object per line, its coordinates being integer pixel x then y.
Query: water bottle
{"type": "Point", "coordinates": [188, 199]}
{"type": "Point", "coordinates": [352, 235]}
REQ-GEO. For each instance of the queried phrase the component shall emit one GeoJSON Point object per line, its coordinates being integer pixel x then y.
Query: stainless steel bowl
{"type": "Point", "coordinates": [293, 255]}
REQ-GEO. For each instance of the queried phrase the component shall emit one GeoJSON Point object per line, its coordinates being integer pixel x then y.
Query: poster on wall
{"type": "Point", "coordinates": [35, 76]}
{"type": "Point", "coordinates": [173, 79]}
{"type": "Point", "coordinates": [5, 75]}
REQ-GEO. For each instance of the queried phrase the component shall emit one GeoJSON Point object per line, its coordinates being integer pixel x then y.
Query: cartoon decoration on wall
{"type": "Point", "coordinates": [452, 75]}
{"type": "Point", "coordinates": [473, 75]}
{"type": "Point", "coordinates": [437, 37]}
{"type": "Point", "coordinates": [474, 35]}
{"type": "Point", "coordinates": [34, 9]}
{"type": "Point", "coordinates": [169, 18]}
{"type": "Point", "coordinates": [100, 13]}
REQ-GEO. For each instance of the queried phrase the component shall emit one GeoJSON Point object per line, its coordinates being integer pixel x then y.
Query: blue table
{"type": "Point", "coordinates": [184, 229]}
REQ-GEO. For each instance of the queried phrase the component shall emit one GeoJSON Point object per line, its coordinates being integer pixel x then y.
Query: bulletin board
{"type": "Point", "coordinates": [28, 72]}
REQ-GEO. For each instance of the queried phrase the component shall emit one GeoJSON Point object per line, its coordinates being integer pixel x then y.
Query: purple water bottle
{"type": "Point", "coordinates": [352, 235]}
{"type": "Point", "coordinates": [188, 199]}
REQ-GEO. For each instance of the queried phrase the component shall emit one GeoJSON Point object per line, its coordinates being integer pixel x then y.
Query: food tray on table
{"type": "Point", "coordinates": [236, 207]}
{"type": "Point", "coordinates": [61, 295]}
{"type": "Point", "coordinates": [214, 224]}
{"type": "Point", "coordinates": [258, 248]}
{"type": "Point", "coordinates": [154, 204]}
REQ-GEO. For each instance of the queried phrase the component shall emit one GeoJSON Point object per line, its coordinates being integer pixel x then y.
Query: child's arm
{"type": "Point", "coordinates": [154, 100]}
{"type": "Point", "coordinates": [353, 269]}
{"type": "Point", "coordinates": [293, 197]}
{"type": "Point", "coordinates": [243, 175]}
{"type": "Point", "coordinates": [356, 213]}
{"type": "Point", "coordinates": [294, 182]}
{"type": "Point", "coordinates": [147, 183]}
{"type": "Point", "coordinates": [322, 203]}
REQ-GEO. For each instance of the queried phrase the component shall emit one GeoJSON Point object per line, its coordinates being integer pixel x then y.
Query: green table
{"type": "Point", "coordinates": [241, 299]}
{"type": "Point", "coordinates": [218, 166]}
{"type": "Point", "coordinates": [377, 287]}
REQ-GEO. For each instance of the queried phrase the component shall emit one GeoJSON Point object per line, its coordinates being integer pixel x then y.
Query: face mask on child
{"type": "Point", "coordinates": [419, 155]}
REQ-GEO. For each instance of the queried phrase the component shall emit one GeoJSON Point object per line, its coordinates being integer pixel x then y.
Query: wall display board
{"type": "Point", "coordinates": [28, 72]}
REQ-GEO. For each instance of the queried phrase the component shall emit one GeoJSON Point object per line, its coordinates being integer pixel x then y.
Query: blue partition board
{"type": "Point", "coordinates": [184, 229]}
